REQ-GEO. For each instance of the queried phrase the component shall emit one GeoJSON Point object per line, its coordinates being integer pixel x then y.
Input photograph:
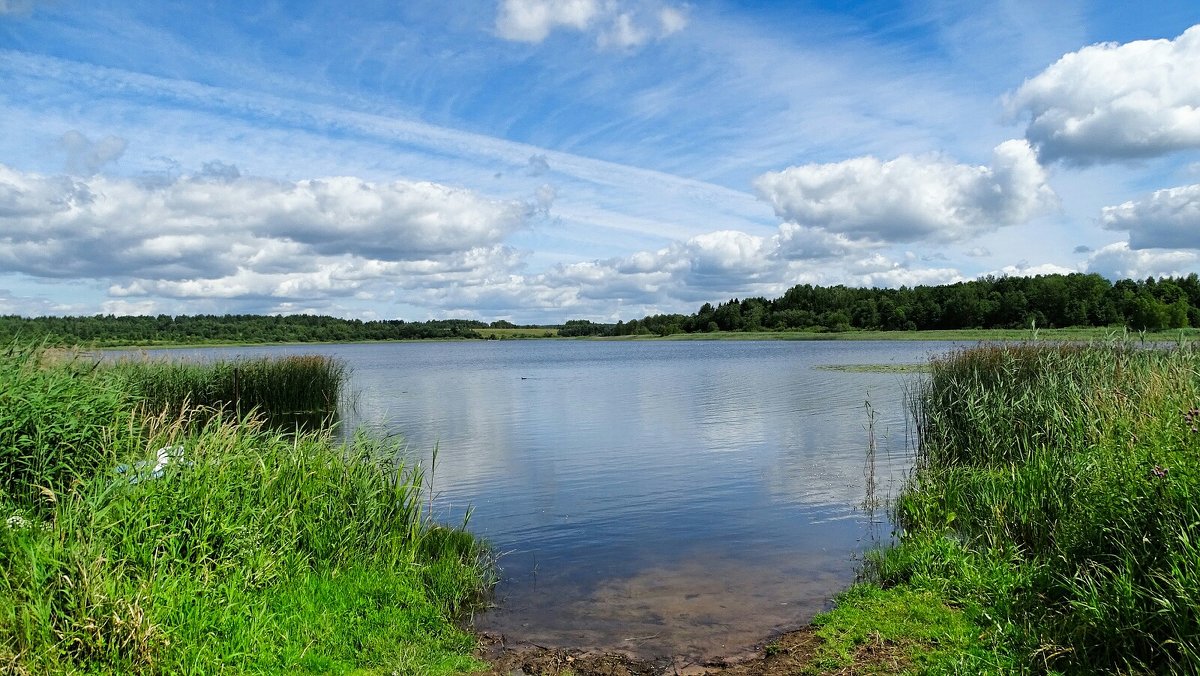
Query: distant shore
{"type": "Point", "coordinates": [959, 335]}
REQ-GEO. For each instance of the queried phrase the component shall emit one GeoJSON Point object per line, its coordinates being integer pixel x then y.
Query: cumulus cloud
{"type": "Point", "coordinates": [1119, 261]}
{"type": "Point", "coordinates": [220, 234]}
{"type": "Point", "coordinates": [798, 242]}
{"type": "Point", "coordinates": [532, 20]}
{"type": "Point", "coordinates": [1115, 101]}
{"type": "Point", "coordinates": [900, 275]}
{"type": "Point", "coordinates": [1168, 218]}
{"type": "Point", "coordinates": [727, 259]}
{"type": "Point", "coordinates": [874, 263]}
{"type": "Point", "coordinates": [1024, 269]}
{"type": "Point", "coordinates": [911, 198]}
{"type": "Point", "coordinates": [86, 157]}
{"type": "Point", "coordinates": [878, 270]}
{"type": "Point", "coordinates": [705, 268]}
{"type": "Point", "coordinates": [618, 24]}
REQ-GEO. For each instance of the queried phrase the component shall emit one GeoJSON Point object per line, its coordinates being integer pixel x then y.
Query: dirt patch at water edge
{"type": "Point", "coordinates": [698, 611]}
{"type": "Point", "coordinates": [793, 653]}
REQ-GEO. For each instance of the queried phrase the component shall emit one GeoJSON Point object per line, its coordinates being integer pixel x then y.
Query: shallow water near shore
{"type": "Point", "coordinates": [684, 499]}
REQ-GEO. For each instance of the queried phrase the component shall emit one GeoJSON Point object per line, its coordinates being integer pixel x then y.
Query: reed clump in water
{"type": "Point", "coordinates": [250, 551]}
{"type": "Point", "coordinates": [1054, 501]}
{"type": "Point", "coordinates": [299, 388]}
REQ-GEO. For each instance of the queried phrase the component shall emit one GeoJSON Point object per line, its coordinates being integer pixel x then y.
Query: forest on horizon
{"type": "Point", "coordinates": [1043, 301]}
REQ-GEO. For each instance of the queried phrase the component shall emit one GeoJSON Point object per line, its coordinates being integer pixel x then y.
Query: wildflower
{"type": "Point", "coordinates": [1192, 418]}
{"type": "Point", "coordinates": [1160, 472]}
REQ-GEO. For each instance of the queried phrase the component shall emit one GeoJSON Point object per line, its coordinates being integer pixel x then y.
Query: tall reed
{"type": "Point", "coordinates": [55, 426]}
{"type": "Point", "coordinates": [1055, 492]}
{"type": "Point", "coordinates": [251, 551]}
{"type": "Point", "coordinates": [299, 388]}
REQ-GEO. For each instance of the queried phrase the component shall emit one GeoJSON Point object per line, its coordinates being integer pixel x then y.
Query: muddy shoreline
{"type": "Point", "coordinates": [793, 652]}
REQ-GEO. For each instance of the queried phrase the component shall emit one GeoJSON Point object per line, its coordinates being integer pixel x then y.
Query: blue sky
{"type": "Point", "coordinates": [540, 160]}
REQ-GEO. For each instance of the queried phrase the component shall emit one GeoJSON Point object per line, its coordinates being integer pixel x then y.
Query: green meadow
{"type": "Point", "coordinates": [1051, 523]}
{"type": "Point", "coordinates": [149, 529]}
{"type": "Point", "coordinates": [516, 333]}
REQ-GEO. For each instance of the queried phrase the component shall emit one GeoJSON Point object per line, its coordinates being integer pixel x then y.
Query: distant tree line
{"type": "Point", "coordinates": [104, 330]}
{"type": "Point", "coordinates": [1050, 301]}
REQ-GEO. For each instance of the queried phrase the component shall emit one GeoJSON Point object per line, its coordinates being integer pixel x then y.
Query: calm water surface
{"type": "Point", "coordinates": [662, 498]}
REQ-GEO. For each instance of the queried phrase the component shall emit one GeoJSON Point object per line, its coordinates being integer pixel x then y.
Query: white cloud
{"type": "Point", "coordinates": [1168, 218]}
{"type": "Point", "coordinates": [616, 24]}
{"type": "Point", "coordinates": [1024, 269]}
{"type": "Point", "coordinates": [798, 242]}
{"type": "Point", "coordinates": [1115, 101]}
{"type": "Point", "coordinates": [237, 237]}
{"type": "Point", "coordinates": [125, 307]}
{"type": "Point", "coordinates": [37, 306]}
{"type": "Point", "coordinates": [727, 252]}
{"type": "Point", "coordinates": [1119, 261]}
{"type": "Point", "coordinates": [672, 20]}
{"type": "Point", "coordinates": [911, 198]}
{"type": "Point", "coordinates": [533, 20]}
{"type": "Point", "coordinates": [902, 276]}
{"type": "Point", "coordinates": [715, 264]}
{"type": "Point", "coordinates": [874, 263]}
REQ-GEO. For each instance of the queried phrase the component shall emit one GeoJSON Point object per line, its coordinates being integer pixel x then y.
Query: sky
{"type": "Point", "coordinates": [545, 160]}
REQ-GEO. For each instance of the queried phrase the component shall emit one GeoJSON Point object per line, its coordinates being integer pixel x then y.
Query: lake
{"type": "Point", "coordinates": [662, 498]}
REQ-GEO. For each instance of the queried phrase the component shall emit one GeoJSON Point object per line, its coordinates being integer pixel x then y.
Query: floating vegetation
{"type": "Point", "coordinates": [875, 368]}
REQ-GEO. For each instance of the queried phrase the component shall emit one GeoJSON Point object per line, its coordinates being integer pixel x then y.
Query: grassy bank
{"type": "Point", "coordinates": [1051, 524]}
{"type": "Point", "coordinates": [517, 333]}
{"type": "Point", "coordinates": [249, 551]}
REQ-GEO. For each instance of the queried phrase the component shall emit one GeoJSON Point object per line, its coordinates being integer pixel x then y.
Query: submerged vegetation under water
{"type": "Point", "coordinates": [255, 551]}
{"type": "Point", "coordinates": [1052, 512]}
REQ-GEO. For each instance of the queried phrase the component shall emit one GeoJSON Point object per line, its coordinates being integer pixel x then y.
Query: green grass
{"type": "Point", "coordinates": [506, 334]}
{"type": "Point", "coordinates": [257, 552]}
{"type": "Point", "coordinates": [1054, 505]}
{"type": "Point", "coordinates": [909, 629]}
